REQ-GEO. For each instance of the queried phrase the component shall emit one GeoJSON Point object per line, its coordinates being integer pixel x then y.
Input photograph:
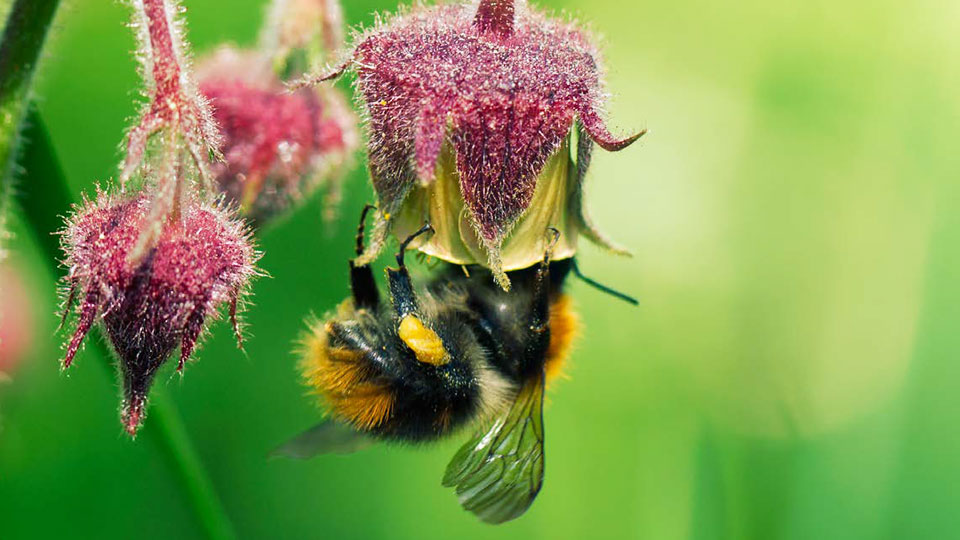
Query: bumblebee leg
{"type": "Point", "coordinates": [538, 325]}
{"type": "Point", "coordinates": [422, 340]}
{"type": "Point", "coordinates": [362, 284]}
{"type": "Point", "coordinates": [401, 290]}
{"type": "Point", "coordinates": [541, 286]}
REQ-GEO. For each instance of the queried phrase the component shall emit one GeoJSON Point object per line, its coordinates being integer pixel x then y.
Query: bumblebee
{"type": "Point", "coordinates": [458, 352]}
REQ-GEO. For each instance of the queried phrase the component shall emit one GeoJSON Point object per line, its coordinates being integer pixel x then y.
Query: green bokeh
{"type": "Point", "coordinates": [791, 372]}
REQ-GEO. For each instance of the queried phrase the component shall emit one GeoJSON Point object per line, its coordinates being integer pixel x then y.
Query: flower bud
{"type": "Point", "coordinates": [471, 110]}
{"type": "Point", "coordinates": [200, 260]}
{"type": "Point", "coordinates": [278, 146]}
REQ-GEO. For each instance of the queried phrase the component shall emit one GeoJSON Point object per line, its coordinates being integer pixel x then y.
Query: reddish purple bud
{"type": "Point", "coordinates": [278, 146]}
{"type": "Point", "coordinates": [502, 85]}
{"type": "Point", "coordinates": [161, 301]}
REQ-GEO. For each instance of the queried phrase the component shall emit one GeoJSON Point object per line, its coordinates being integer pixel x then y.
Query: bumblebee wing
{"type": "Point", "coordinates": [328, 437]}
{"type": "Point", "coordinates": [499, 472]}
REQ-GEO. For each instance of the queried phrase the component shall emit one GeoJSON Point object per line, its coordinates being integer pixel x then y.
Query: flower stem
{"type": "Point", "coordinates": [20, 47]}
{"type": "Point", "coordinates": [45, 199]}
{"type": "Point", "coordinates": [175, 441]}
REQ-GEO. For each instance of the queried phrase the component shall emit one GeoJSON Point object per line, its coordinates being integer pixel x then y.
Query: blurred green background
{"type": "Point", "coordinates": [792, 370]}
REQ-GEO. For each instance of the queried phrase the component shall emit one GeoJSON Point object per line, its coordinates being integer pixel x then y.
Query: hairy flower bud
{"type": "Point", "coordinates": [165, 299]}
{"type": "Point", "coordinates": [278, 146]}
{"type": "Point", "coordinates": [476, 103]}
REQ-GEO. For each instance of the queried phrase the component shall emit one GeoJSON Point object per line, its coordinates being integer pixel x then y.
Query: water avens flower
{"type": "Point", "coordinates": [200, 261]}
{"type": "Point", "coordinates": [277, 146]}
{"type": "Point", "coordinates": [154, 265]}
{"type": "Point", "coordinates": [477, 102]}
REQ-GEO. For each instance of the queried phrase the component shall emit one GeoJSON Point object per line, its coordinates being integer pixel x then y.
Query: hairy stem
{"type": "Point", "coordinates": [46, 198]}
{"type": "Point", "coordinates": [175, 107]}
{"type": "Point", "coordinates": [163, 51]}
{"type": "Point", "coordinates": [23, 38]}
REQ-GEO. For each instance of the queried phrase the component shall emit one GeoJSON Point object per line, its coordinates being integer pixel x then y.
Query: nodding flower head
{"type": "Point", "coordinates": [148, 307]}
{"type": "Point", "coordinates": [278, 146]}
{"type": "Point", "coordinates": [471, 110]}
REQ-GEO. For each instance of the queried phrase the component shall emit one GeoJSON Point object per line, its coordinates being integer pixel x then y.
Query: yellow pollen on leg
{"type": "Point", "coordinates": [424, 342]}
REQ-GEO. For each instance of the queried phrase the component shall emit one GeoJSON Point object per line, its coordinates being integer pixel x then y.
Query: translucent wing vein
{"type": "Point", "coordinates": [498, 473]}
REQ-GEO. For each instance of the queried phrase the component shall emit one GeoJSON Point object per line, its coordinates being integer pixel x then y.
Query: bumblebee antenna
{"type": "Point", "coordinates": [403, 245]}
{"type": "Point", "coordinates": [401, 290]}
{"type": "Point", "coordinates": [601, 287]}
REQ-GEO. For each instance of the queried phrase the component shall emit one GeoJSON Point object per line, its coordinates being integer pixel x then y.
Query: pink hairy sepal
{"type": "Point", "coordinates": [278, 146]}
{"type": "Point", "coordinates": [200, 261]}
{"type": "Point", "coordinates": [503, 84]}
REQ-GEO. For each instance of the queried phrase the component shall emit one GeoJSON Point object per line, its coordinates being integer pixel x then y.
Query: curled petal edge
{"type": "Point", "coordinates": [598, 131]}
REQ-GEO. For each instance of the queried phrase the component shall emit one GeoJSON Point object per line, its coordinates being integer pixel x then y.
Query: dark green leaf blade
{"type": "Point", "coordinates": [499, 471]}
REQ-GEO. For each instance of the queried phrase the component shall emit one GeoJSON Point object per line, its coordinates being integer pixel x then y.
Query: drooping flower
{"type": "Point", "coordinates": [278, 146]}
{"type": "Point", "coordinates": [200, 261]}
{"type": "Point", "coordinates": [154, 264]}
{"type": "Point", "coordinates": [471, 111]}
